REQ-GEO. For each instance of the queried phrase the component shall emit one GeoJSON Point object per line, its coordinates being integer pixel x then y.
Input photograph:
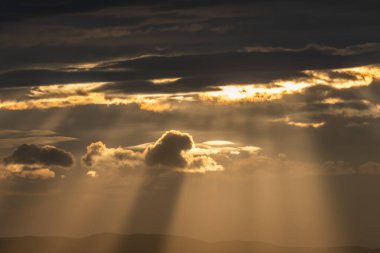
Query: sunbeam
{"type": "Point", "coordinates": [189, 126]}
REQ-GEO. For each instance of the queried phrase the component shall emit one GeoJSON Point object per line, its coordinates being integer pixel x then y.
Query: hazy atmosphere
{"type": "Point", "coordinates": [213, 120]}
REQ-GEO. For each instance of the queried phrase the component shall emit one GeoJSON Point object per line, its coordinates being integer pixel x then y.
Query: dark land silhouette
{"type": "Point", "coordinates": [113, 243]}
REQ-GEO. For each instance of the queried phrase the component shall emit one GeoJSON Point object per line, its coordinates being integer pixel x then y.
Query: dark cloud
{"type": "Point", "coordinates": [349, 50]}
{"type": "Point", "coordinates": [30, 154]}
{"type": "Point", "coordinates": [167, 150]}
{"type": "Point", "coordinates": [198, 72]}
{"type": "Point", "coordinates": [23, 9]}
{"type": "Point", "coordinates": [80, 31]}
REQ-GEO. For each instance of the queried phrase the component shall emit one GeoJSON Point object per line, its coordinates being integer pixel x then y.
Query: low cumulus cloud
{"type": "Point", "coordinates": [36, 162]}
{"type": "Point", "coordinates": [169, 150]}
{"type": "Point", "coordinates": [100, 159]}
{"type": "Point", "coordinates": [177, 152]}
{"type": "Point", "coordinates": [45, 155]}
{"type": "Point", "coordinates": [172, 152]}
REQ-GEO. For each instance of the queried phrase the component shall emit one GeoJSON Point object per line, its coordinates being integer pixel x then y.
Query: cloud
{"type": "Point", "coordinates": [176, 152]}
{"type": "Point", "coordinates": [198, 71]}
{"type": "Point", "coordinates": [202, 164]}
{"type": "Point", "coordinates": [172, 152]}
{"type": "Point", "coordinates": [32, 154]}
{"type": "Point", "coordinates": [208, 26]}
{"type": "Point", "coordinates": [18, 10]}
{"type": "Point", "coordinates": [42, 174]}
{"type": "Point", "coordinates": [14, 138]}
{"type": "Point", "coordinates": [109, 161]}
{"type": "Point", "coordinates": [315, 88]}
{"type": "Point", "coordinates": [30, 161]}
{"type": "Point", "coordinates": [290, 122]}
{"type": "Point", "coordinates": [97, 98]}
{"type": "Point", "coordinates": [169, 150]}
{"type": "Point", "coordinates": [350, 50]}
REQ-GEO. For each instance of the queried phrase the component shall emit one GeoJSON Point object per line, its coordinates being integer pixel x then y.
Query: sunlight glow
{"type": "Point", "coordinates": [92, 173]}
{"type": "Point", "coordinates": [253, 93]}
{"type": "Point", "coordinates": [145, 103]}
{"type": "Point", "coordinates": [290, 122]}
{"type": "Point", "coordinates": [337, 78]}
{"type": "Point", "coordinates": [64, 89]}
{"type": "Point", "coordinates": [165, 80]}
{"type": "Point", "coordinates": [70, 95]}
{"type": "Point", "coordinates": [218, 143]}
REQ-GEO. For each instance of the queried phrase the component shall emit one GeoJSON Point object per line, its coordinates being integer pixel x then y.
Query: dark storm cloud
{"type": "Point", "coordinates": [30, 154]}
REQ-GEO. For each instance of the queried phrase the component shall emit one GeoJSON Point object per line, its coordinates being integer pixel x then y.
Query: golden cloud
{"type": "Point", "coordinates": [336, 78]}
{"type": "Point", "coordinates": [70, 95]}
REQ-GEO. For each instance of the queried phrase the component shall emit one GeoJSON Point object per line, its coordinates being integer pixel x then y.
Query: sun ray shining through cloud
{"type": "Point", "coordinates": [210, 126]}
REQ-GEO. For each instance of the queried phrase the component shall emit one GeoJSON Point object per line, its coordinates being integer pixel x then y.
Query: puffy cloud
{"type": "Point", "coordinates": [107, 161]}
{"type": "Point", "coordinates": [43, 174]}
{"type": "Point", "coordinates": [31, 161]}
{"type": "Point", "coordinates": [93, 150]}
{"type": "Point", "coordinates": [176, 152]}
{"type": "Point", "coordinates": [172, 152]}
{"type": "Point", "coordinates": [44, 155]}
{"type": "Point", "coordinates": [202, 164]}
{"type": "Point", "coordinates": [169, 150]}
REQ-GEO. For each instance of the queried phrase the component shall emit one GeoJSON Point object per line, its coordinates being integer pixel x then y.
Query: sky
{"type": "Point", "coordinates": [218, 120]}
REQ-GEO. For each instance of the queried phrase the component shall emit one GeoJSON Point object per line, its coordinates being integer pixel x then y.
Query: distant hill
{"type": "Point", "coordinates": [113, 243]}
